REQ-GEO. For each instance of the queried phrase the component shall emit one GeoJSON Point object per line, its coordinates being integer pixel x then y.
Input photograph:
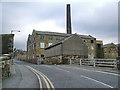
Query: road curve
{"type": "Point", "coordinates": [63, 77]}
{"type": "Point", "coordinates": [70, 77]}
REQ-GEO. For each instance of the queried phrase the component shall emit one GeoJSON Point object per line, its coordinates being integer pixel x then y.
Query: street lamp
{"type": "Point", "coordinates": [11, 33]}
{"type": "Point", "coordinates": [15, 31]}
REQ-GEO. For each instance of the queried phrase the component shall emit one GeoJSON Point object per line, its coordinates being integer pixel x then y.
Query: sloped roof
{"type": "Point", "coordinates": [50, 33]}
{"type": "Point", "coordinates": [109, 45]}
{"type": "Point", "coordinates": [59, 34]}
{"type": "Point", "coordinates": [61, 41]}
{"type": "Point", "coordinates": [86, 36]}
{"type": "Point", "coordinates": [6, 35]}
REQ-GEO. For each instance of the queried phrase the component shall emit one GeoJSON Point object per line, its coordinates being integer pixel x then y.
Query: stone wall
{"type": "Point", "coordinates": [110, 51]}
{"type": "Point", "coordinates": [6, 64]}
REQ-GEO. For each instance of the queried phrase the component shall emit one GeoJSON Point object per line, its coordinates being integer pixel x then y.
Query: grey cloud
{"type": "Point", "coordinates": [100, 22]}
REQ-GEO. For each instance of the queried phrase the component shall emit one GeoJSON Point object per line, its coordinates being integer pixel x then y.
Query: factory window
{"type": "Point", "coordinates": [42, 55]}
{"type": "Point", "coordinates": [42, 45]}
{"type": "Point", "coordinates": [85, 40]}
{"type": "Point", "coordinates": [57, 38]}
{"type": "Point", "coordinates": [99, 45]}
{"type": "Point", "coordinates": [50, 38]}
{"type": "Point", "coordinates": [92, 41]}
{"type": "Point", "coordinates": [42, 37]}
{"type": "Point", "coordinates": [49, 44]}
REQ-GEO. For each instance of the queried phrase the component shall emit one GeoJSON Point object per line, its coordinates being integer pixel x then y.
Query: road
{"type": "Point", "coordinates": [65, 76]}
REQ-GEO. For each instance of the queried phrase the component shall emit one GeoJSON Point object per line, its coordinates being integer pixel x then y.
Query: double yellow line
{"type": "Point", "coordinates": [48, 83]}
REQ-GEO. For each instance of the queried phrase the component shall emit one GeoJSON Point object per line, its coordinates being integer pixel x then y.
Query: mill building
{"type": "Point", "coordinates": [38, 41]}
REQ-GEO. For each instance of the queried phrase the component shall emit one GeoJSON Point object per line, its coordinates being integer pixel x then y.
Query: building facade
{"type": "Point", "coordinates": [6, 43]}
{"type": "Point", "coordinates": [99, 49]}
{"type": "Point", "coordinates": [69, 48]}
{"type": "Point", "coordinates": [20, 54]}
{"type": "Point", "coordinates": [39, 40]}
{"type": "Point", "coordinates": [110, 51]}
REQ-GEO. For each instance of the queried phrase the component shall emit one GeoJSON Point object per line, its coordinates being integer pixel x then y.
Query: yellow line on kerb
{"type": "Point", "coordinates": [47, 81]}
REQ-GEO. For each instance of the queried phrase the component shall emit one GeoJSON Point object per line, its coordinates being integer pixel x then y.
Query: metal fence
{"type": "Point", "coordinates": [95, 62]}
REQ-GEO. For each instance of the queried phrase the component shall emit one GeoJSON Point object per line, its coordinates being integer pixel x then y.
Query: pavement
{"type": "Point", "coordinates": [20, 77]}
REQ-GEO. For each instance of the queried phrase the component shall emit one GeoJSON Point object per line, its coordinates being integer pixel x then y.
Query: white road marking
{"type": "Point", "coordinates": [97, 81]}
{"type": "Point", "coordinates": [92, 70]}
{"type": "Point", "coordinates": [62, 69]}
{"type": "Point", "coordinates": [47, 66]}
{"type": "Point", "coordinates": [58, 68]}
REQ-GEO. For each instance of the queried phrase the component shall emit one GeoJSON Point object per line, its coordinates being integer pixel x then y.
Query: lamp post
{"type": "Point", "coordinates": [11, 33]}
{"type": "Point", "coordinates": [15, 31]}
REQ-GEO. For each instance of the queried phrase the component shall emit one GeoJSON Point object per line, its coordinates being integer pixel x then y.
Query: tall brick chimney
{"type": "Point", "coordinates": [69, 28]}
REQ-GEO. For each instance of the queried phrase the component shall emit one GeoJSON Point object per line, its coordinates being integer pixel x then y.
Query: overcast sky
{"type": "Point", "coordinates": [98, 18]}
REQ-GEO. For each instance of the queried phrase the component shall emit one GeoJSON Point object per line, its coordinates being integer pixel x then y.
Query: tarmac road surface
{"type": "Point", "coordinates": [61, 76]}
